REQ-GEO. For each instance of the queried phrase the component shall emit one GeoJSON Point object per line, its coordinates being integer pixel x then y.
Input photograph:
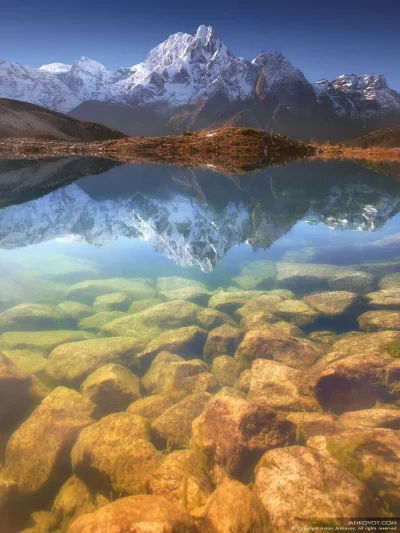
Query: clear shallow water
{"type": "Point", "coordinates": [304, 227]}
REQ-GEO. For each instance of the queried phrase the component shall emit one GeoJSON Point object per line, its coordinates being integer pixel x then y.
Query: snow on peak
{"type": "Point", "coordinates": [56, 68]}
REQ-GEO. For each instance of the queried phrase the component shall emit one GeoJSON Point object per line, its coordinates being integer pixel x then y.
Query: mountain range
{"type": "Point", "coordinates": [190, 82]}
{"type": "Point", "coordinates": [193, 216]}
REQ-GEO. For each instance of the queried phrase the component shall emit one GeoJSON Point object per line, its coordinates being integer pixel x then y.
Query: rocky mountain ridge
{"type": "Point", "coordinates": [194, 81]}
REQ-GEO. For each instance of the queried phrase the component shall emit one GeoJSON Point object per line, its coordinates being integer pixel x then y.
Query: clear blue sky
{"type": "Point", "coordinates": [322, 38]}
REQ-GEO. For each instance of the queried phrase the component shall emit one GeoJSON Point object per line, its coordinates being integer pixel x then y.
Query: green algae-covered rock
{"type": "Point", "coordinates": [243, 383]}
{"type": "Point", "coordinates": [226, 370]}
{"type": "Point", "coordinates": [30, 362]}
{"type": "Point", "coordinates": [194, 294]}
{"type": "Point", "coordinates": [209, 319]}
{"type": "Point", "coordinates": [181, 478]}
{"type": "Point", "coordinates": [261, 281]}
{"type": "Point", "coordinates": [391, 281]}
{"type": "Point", "coordinates": [37, 454]}
{"type": "Point", "coordinates": [384, 299]}
{"type": "Point", "coordinates": [142, 305]}
{"type": "Point", "coordinates": [260, 268]}
{"type": "Point", "coordinates": [152, 322]}
{"type": "Point", "coordinates": [87, 291]}
{"type": "Point", "coordinates": [76, 310]}
{"type": "Point", "coordinates": [144, 514]}
{"type": "Point", "coordinates": [115, 301]}
{"type": "Point", "coordinates": [21, 288]}
{"type": "Point", "coordinates": [172, 283]}
{"type": "Point", "coordinates": [44, 341]}
{"type": "Point", "coordinates": [168, 373]}
{"type": "Point", "coordinates": [276, 345]}
{"type": "Point", "coordinates": [112, 388]}
{"type": "Point", "coordinates": [298, 312]}
{"type": "Point", "coordinates": [99, 446]}
{"type": "Point", "coordinates": [97, 321]}
{"type": "Point", "coordinates": [229, 302]}
{"type": "Point", "coordinates": [232, 434]}
{"type": "Point", "coordinates": [174, 426]}
{"type": "Point", "coordinates": [29, 317]}
{"type": "Point", "coordinates": [296, 486]}
{"type": "Point", "coordinates": [266, 303]}
{"type": "Point", "coordinates": [281, 387]}
{"type": "Point", "coordinates": [73, 500]}
{"type": "Point", "coordinates": [188, 342]}
{"type": "Point", "coordinates": [72, 362]}
{"type": "Point", "coordinates": [151, 406]}
{"type": "Point", "coordinates": [222, 340]}
{"type": "Point", "coordinates": [325, 337]}
{"type": "Point", "coordinates": [379, 320]}
{"type": "Point", "coordinates": [334, 303]}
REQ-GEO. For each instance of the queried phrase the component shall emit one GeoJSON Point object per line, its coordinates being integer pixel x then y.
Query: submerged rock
{"type": "Point", "coordinates": [37, 454]}
{"type": "Point", "coordinates": [281, 387]}
{"type": "Point", "coordinates": [295, 486]}
{"type": "Point", "coordinates": [171, 283]}
{"type": "Point", "coordinates": [74, 500]}
{"type": "Point", "coordinates": [311, 424]}
{"type": "Point", "coordinates": [370, 418]}
{"type": "Point", "coordinates": [391, 281]}
{"type": "Point", "coordinates": [266, 303]}
{"type": "Point", "coordinates": [142, 305]}
{"type": "Point", "coordinates": [112, 388]}
{"type": "Point", "coordinates": [194, 294]}
{"type": "Point", "coordinates": [333, 304]}
{"type": "Point", "coordinates": [97, 321]}
{"type": "Point", "coordinates": [379, 320]}
{"type": "Point", "coordinates": [72, 362]}
{"type": "Point", "coordinates": [151, 406]}
{"type": "Point", "coordinates": [229, 302]}
{"type": "Point", "coordinates": [232, 434]}
{"type": "Point", "coordinates": [181, 478]}
{"type": "Point", "coordinates": [384, 299]}
{"type": "Point", "coordinates": [211, 318]}
{"type": "Point", "coordinates": [98, 447]}
{"type": "Point", "coordinates": [291, 351]}
{"type": "Point", "coordinates": [174, 426]}
{"type": "Point", "coordinates": [114, 301]}
{"type": "Point", "coordinates": [87, 291]}
{"type": "Point", "coordinates": [30, 362]}
{"type": "Point", "coordinates": [144, 514]}
{"type": "Point", "coordinates": [76, 310]}
{"type": "Point", "coordinates": [253, 279]}
{"type": "Point", "coordinates": [188, 342]}
{"type": "Point", "coordinates": [298, 312]}
{"type": "Point", "coordinates": [226, 370]}
{"type": "Point", "coordinates": [31, 317]}
{"type": "Point", "coordinates": [222, 340]}
{"type": "Point", "coordinates": [45, 341]}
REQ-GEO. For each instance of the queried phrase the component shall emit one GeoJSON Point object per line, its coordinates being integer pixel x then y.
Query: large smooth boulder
{"type": "Point", "coordinates": [232, 508]}
{"type": "Point", "coordinates": [379, 320]}
{"type": "Point", "coordinates": [74, 500]}
{"type": "Point", "coordinates": [312, 424]}
{"type": "Point", "coordinates": [31, 317]}
{"type": "Point", "coordinates": [45, 341]}
{"type": "Point", "coordinates": [98, 447]}
{"type": "Point", "coordinates": [174, 427]}
{"type": "Point", "coordinates": [188, 342]}
{"type": "Point", "coordinates": [333, 304]}
{"type": "Point", "coordinates": [229, 302]}
{"type": "Point", "coordinates": [30, 362]}
{"type": "Point", "coordinates": [141, 514]}
{"type": "Point", "coordinates": [142, 305]}
{"type": "Point", "coordinates": [37, 454]}
{"type": "Point", "coordinates": [298, 312]}
{"type": "Point", "coordinates": [372, 456]}
{"type": "Point", "coordinates": [87, 291]}
{"type": "Point", "coordinates": [151, 406]}
{"type": "Point", "coordinates": [291, 351]}
{"type": "Point", "coordinates": [391, 281]}
{"type": "Point", "coordinates": [304, 278]}
{"type": "Point", "coordinates": [72, 362]}
{"type": "Point", "coordinates": [296, 486]}
{"type": "Point", "coordinates": [76, 310]}
{"type": "Point", "coordinates": [366, 344]}
{"type": "Point", "coordinates": [97, 321]}
{"type": "Point", "coordinates": [194, 294]}
{"type": "Point", "coordinates": [115, 301]}
{"type": "Point", "coordinates": [209, 319]}
{"type": "Point", "coordinates": [384, 299]}
{"type": "Point", "coordinates": [281, 387]}
{"type": "Point", "coordinates": [222, 341]}
{"type": "Point", "coordinates": [181, 478]}
{"type": "Point", "coordinates": [171, 283]}
{"type": "Point", "coordinates": [232, 434]}
{"type": "Point", "coordinates": [370, 418]}
{"type": "Point", "coordinates": [253, 279]}
{"type": "Point", "coordinates": [148, 324]}
{"type": "Point", "coordinates": [266, 303]}
{"type": "Point", "coordinates": [112, 388]}
{"type": "Point", "coordinates": [226, 370]}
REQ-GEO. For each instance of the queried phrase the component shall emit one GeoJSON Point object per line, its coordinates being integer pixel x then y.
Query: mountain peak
{"type": "Point", "coordinates": [204, 33]}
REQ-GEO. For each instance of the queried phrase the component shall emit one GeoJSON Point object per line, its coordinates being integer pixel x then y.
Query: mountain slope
{"type": "Point", "coordinates": [21, 119]}
{"type": "Point", "coordinates": [384, 138]}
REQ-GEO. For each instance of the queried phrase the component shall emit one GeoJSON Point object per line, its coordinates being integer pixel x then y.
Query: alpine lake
{"type": "Point", "coordinates": [184, 351]}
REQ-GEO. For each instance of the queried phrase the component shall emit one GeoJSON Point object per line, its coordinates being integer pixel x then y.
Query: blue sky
{"type": "Point", "coordinates": [322, 38]}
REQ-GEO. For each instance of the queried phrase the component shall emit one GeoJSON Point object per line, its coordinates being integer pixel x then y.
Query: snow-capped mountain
{"type": "Point", "coordinates": [358, 96]}
{"type": "Point", "coordinates": [198, 82]}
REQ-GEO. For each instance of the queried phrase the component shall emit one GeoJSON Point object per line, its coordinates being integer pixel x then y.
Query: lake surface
{"type": "Point", "coordinates": [299, 263]}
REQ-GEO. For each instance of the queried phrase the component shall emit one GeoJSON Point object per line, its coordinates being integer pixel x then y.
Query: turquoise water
{"type": "Point", "coordinates": [100, 235]}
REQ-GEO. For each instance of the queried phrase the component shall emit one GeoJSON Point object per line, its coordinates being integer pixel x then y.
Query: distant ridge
{"type": "Point", "coordinates": [383, 138]}
{"type": "Point", "coordinates": [21, 119]}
